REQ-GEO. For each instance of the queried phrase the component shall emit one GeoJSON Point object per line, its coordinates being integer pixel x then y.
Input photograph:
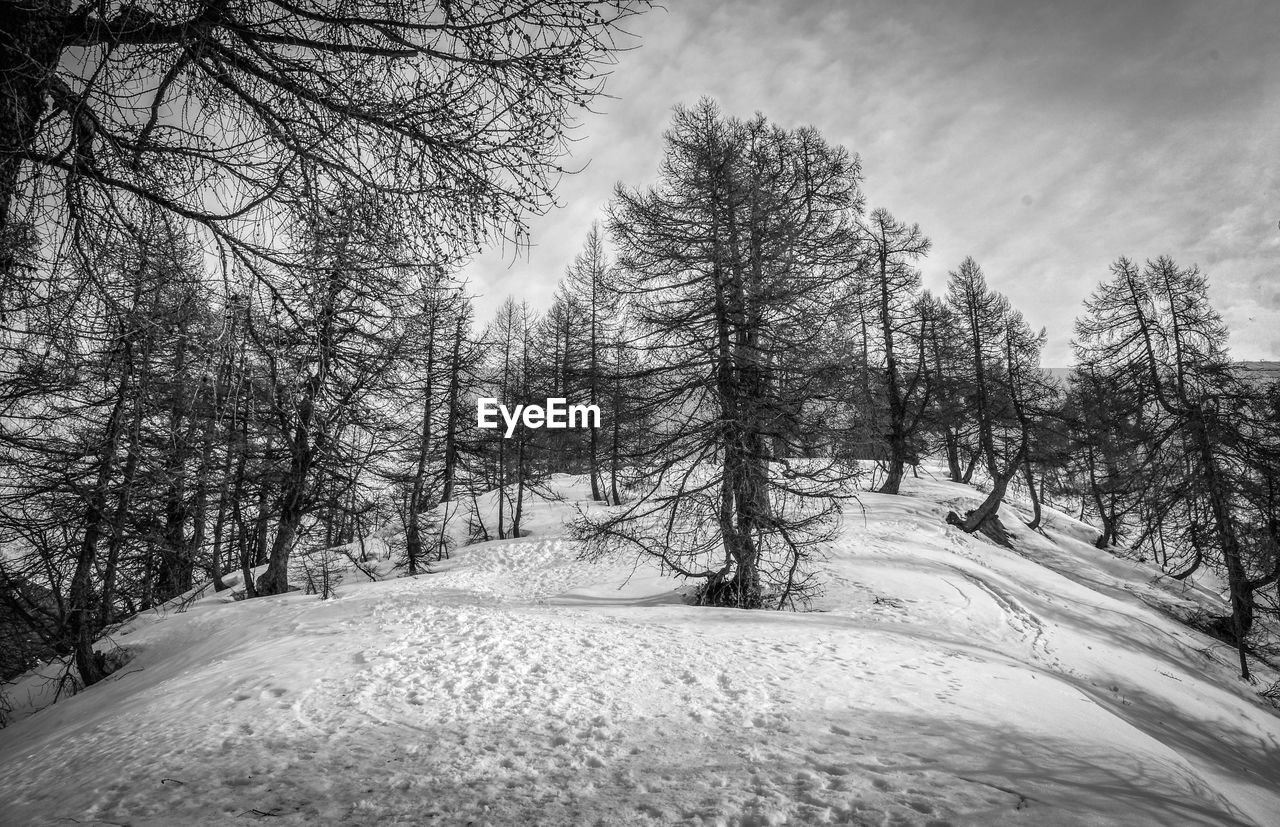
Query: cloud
{"type": "Point", "coordinates": [1044, 138]}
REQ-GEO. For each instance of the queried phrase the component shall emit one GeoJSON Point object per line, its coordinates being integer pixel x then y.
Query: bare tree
{"type": "Point", "coordinates": [892, 287]}
{"type": "Point", "coordinates": [589, 280]}
{"type": "Point", "coordinates": [508, 377]}
{"type": "Point", "coordinates": [280, 138]}
{"type": "Point", "coordinates": [731, 263]}
{"type": "Point", "coordinates": [439, 306]}
{"type": "Point", "coordinates": [233, 114]}
{"type": "Point", "coordinates": [1153, 329]}
{"type": "Point", "coordinates": [1002, 369]}
{"type": "Point", "coordinates": [93, 480]}
{"type": "Point", "coordinates": [329, 342]}
{"type": "Point", "coordinates": [1109, 424]}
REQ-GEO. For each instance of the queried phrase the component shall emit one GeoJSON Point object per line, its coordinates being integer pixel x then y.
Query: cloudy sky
{"type": "Point", "coordinates": [1045, 138]}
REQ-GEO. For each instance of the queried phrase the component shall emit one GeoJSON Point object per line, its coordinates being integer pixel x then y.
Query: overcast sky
{"type": "Point", "coordinates": [1045, 139]}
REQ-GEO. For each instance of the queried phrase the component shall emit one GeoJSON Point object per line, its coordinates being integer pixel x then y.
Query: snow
{"type": "Point", "coordinates": [940, 679]}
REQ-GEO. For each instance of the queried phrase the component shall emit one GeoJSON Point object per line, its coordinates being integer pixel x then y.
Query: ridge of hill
{"type": "Point", "coordinates": [1263, 371]}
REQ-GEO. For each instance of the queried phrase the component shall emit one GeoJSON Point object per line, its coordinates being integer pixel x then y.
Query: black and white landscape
{"type": "Point", "coordinates": [587, 412]}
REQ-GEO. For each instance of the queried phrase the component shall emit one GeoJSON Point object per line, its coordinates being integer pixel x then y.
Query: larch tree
{"type": "Point", "coordinates": [1108, 426]}
{"type": "Point", "coordinates": [95, 465]}
{"type": "Point", "coordinates": [1154, 327]}
{"type": "Point", "coordinates": [423, 398]}
{"type": "Point", "coordinates": [589, 281]}
{"type": "Point", "coordinates": [941, 350]}
{"type": "Point", "coordinates": [507, 376]}
{"type": "Point", "coordinates": [730, 264]}
{"type": "Point", "coordinates": [1006, 387]}
{"type": "Point", "coordinates": [328, 342]}
{"type": "Point", "coordinates": [891, 285]}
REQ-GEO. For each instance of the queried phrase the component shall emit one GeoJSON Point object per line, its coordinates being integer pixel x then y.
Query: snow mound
{"type": "Point", "coordinates": [940, 680]}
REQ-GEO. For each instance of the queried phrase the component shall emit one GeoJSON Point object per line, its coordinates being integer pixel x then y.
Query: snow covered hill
{"type": "Point", "coordinates": [940, 680]}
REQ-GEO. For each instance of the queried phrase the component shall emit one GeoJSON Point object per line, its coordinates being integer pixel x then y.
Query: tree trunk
{"type": "Point", "coordinates": [219, 525]}
{"type": "Point", "coordinates": [518, 511]}
{"type": "Point", "coordinates": [219, 522]}
{"type": "Point", "coordinates": [200, 497]}
{"type": "Point", "coordinates": [123, 502]}
{"type": "Point", "coordinates": [952, 443]}
{"type": "Point", "coordinates": [176, 564]}
{"type": "Point", "coordinates": [1035, 498]}
{"type": "Point", "coordinates": [1242, 602]}
{"type": "Point", "coordinates": [615, 439]}
{"type": "Point", "coordinates": [985, 517]}
{"type": "Point", "coordinates": [897, 436]}
{"type": "Point", "coordinates": [451, 422]}
{"type": "Point", "coordinates": [293, 496]}
{"type": "Point", "coordinates": [81, 627]}
{"type": "Point", "coordinates": [413, 530]}
{"type": "Point", "coordinates": [240, 524]}
{"type": "Point", "coordinates": [593, 437]}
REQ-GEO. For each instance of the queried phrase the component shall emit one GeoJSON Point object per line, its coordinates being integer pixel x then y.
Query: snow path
{"type": "Point", "coordinates": [941, 681]}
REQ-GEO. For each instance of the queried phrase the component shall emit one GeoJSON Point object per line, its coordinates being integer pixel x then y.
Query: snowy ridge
{"type": "Point", "coordinates": [941, 680]}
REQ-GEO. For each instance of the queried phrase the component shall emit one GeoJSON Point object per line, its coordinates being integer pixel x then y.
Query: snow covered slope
{"type": "Point", "coordinates": [941, 680]}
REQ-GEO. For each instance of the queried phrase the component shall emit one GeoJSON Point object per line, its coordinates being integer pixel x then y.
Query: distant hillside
{"type": "Point", "coordinates": [1261, 371]}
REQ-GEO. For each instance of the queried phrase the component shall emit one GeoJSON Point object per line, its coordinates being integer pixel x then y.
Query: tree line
{"type": "Point", "coordinates": [228, 230]}
{"type": "Point", "coordinates": [758, 341]}
{"type": "Point", "coordinates": [783, 348]}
